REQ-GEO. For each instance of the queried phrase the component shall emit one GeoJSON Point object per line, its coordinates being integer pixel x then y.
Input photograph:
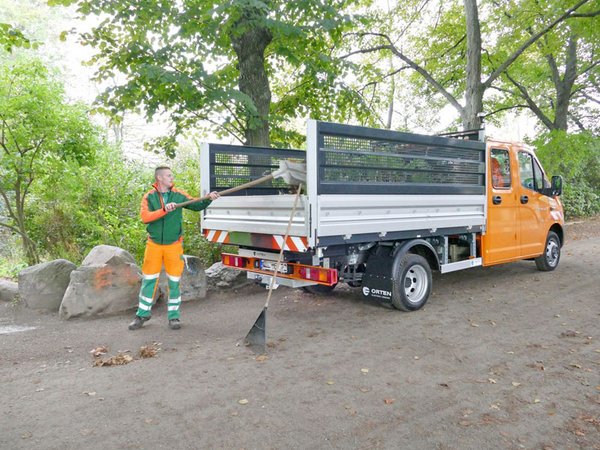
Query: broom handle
{"type": "Point", "coordinates": [229, 191]}
{"type": "Point", "coordinates": [287, 233]}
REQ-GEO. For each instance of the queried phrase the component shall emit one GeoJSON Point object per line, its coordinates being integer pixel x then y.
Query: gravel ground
{"type": "Point", "coordinates": [503, 357]}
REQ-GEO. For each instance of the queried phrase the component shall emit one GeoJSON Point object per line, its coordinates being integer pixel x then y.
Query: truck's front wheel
{"type": "Point", "coordinates": [412, 283]}
{"type": "Point", "coordinates": [548, 260]}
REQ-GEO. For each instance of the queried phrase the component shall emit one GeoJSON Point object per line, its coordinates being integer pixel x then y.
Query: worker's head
{"type": "Point", "coordinates": [163, 176]}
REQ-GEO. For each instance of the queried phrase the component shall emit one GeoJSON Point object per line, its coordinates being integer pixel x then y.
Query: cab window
{"type": "Point", "coordinates": [500, 167]}
{"type": "Point", "coordinates": [532, 176]}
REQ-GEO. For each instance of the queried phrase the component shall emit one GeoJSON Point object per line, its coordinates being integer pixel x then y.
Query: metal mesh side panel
{"type": "Point", "coordinates": [233, 166]}
{"type": "Point", "coordinates": [385, 165]}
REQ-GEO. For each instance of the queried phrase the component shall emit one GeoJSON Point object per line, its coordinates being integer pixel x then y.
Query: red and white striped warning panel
{"type": "Point", "coordinates": [292, 243]}
{"type": "Point", "coordinates": [222, 237]}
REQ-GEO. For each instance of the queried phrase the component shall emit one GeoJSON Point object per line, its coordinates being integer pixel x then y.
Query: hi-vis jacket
{"type": "Point", "coordinates": [166, 227]}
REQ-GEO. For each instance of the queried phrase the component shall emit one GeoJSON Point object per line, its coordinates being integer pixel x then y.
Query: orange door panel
{"type": "Point", "coordinates": [501, 240]}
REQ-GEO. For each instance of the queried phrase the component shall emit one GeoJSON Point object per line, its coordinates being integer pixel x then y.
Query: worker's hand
{"type": "Point", "coordinates": [214, 195]}
{"type": "Point", "coordinates": [170, 207]}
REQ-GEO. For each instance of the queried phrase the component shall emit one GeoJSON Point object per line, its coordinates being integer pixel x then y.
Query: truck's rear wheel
{"type": "Point", "coordinates": [412, 283]}
{"type": "Point", "coordinates": [548, 260]}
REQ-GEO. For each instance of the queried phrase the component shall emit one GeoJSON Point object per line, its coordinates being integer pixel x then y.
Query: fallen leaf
{"type": "Point", "coordinates": [494, 406]}
{"type": "Point", "coordinates": [515, 384]}
{"type": "Point", "coordinates": [117, 360]}
{"type": "Point", "coordinates": [99, 351]}
{"type": "Point", "coordinates": [148, 351]}
{"type": "Point", "coordinates": [577, 366]}
{"type": "Point", "coordinates": [243, 401]}
{"type": "Point", "coordinates": [579, 432]}
{"type": "Point", "coordinates": [330, 382]}
{"type": "Point", "coordinates": [364, 370]}
{"type": "Point", "coordinates": [444, 385]}
{"type": "Point", "coordinates": [148, 421]}
{"type": "Point", "coordinates": [364, 389]}
{"type": "Point", "coordinates": [473, 324]}
{"type": "Point", "coordinates": [491, 380]}
{"type": "Point", "coordinates": [89, 394]}
{"type": "Point", "coordinates": [416, 357]}
{"type": "Point", "coordinates": [262, 358]}
{"type": "Point", "coordinates": [389, 401]}
{"type": "Point", "coordinates": [39, 390]}
{"type": "Point", "coordinates": [569, 333]}
{"type": "Point", "coordinates": [536, 400]}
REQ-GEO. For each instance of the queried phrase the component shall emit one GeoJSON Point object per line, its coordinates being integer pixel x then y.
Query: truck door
{"type": "Point", "coordinates": [501, 241]}
{"type": "Point", "coordinates": [534, 208]}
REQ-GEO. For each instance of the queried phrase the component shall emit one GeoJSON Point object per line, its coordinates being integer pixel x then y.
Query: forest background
{"type": "Point", "coordinates": [95, 93]}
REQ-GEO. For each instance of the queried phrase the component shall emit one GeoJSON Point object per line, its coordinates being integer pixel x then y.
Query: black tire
{"type": "Point", "coordinates": [412, 283]}
{"type": "Point", "coordinates": [319, 289]}
{"type": "Point", "coordinates": [548, 260]}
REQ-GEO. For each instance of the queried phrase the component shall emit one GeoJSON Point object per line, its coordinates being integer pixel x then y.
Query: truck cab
{"type": "Point", "coordinates": [523, 207]}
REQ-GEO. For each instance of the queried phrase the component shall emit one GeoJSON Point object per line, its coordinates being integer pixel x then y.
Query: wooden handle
{"type": "Point", "coordinates": [229, 191]}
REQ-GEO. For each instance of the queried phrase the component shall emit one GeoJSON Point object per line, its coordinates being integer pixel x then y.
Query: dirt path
{"type": "Point", "coordinates": [505, 357]}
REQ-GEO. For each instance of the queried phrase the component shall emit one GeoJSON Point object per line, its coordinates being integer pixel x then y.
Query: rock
{"type": "Point", "coordinates": [193, 280]}
{"type": "Point", "coordinates": [107, 254]}
{"type": "Point", "coordinates": [219, 276]}
{"type": "Point", "coordinates": [9, 290]}
{"type": "Point", "coordinates": [42, 286]}
{"type": "Point", "coordinates": [107, 282]}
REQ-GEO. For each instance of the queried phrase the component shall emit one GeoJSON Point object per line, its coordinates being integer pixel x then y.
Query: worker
{"type": "Point", "coordinates": [165, 244]}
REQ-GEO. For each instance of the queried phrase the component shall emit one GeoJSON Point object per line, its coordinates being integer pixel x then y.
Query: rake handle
{"type": "Point", "coordinates": [230, 190]}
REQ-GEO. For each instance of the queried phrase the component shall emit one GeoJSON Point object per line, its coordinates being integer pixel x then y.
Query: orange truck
{"type": "Point", "coordinates": [382, 209]}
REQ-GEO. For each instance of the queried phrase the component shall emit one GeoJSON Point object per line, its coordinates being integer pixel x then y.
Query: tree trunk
{"type": "Point", "coordinates": [249, 39]}
{"type": "Point", "coordinates": [474, 89]}
{"type": "Point", "coordinates": [564, 86]}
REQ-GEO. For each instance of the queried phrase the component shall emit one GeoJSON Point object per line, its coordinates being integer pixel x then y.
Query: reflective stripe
{"type": "Point", "coordinates": [298, 243]}
{"type": "Point", "coordinates": [174, 301]}
{"type": "Point", "coordinates": [146, 299]}
{"type": "Point", "coordinates": [151, 277]}
{"type": "Point", "coordinates": [172, 278]}
{"type": "Point", "coordinates": [144, 307]}
{"type": "Point", "coordinates": [173, 308]}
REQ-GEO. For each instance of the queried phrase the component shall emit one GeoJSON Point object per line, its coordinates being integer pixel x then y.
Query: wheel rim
{"type": "Point", "coordinates": [552, 253]}
{"type": "Point", "coordinates": [415, 284]}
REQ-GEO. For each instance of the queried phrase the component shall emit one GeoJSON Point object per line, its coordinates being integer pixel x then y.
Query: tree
{"type": "Point", "coordinates": [36, 127]}
{"type": "Point", "coordinates": [456, 54]}
{"type": "Point", "coordinates": [244, 66]}
{"type": "Point", "coordinates": [558, 78]}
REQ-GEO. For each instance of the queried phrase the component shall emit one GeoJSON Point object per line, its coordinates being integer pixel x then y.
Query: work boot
{"type": "Point", "coordinates": [138, 322]}
{"type": "Point", "coordinates": [174, 324]}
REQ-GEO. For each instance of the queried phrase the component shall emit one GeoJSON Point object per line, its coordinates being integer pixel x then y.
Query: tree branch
{"type": "Point", "coordinates": [413, 65]}
{"type": "Point", "coordinates": [496, 73]}
{"type": "Point", "coordinates": [532, 105]}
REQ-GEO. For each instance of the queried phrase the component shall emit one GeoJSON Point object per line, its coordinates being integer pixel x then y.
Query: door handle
{"type": "Point", "coordinates": [524, 199]}
{"type": "Point", "coordinates": [496, 199]}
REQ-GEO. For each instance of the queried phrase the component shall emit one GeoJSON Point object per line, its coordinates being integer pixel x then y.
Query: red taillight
{"type": "Point", "coordinates": [318, 274]}
{"type": "Point", "coordinates": [233, 261]}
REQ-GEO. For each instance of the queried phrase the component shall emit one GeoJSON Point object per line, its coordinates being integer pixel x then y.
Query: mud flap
{"type": "Point", "coordinates": [377, 281]}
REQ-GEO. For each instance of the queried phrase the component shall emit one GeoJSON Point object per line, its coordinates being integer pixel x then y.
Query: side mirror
{"type": "Point", "coordinates": [556, 185]}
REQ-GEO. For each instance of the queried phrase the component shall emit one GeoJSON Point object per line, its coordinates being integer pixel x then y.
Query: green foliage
{"type": "Point", "coordinates": [178, 57]}
{"type": "Point", "coordinates": [577, 158]}
{"type": "Point", "coordinates": [38, 130]}
{"type": "Point", "coordinates": [78, 207]}
{"type": "Point", "coordinates": [11, 37]}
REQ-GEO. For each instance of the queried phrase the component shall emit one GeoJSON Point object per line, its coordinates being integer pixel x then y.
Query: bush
{"type": "Point", "coordinates": [577, 158]}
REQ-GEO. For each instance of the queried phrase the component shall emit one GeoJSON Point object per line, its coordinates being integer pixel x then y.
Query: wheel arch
{"type": "Point", "coordinates": [422, 248]}
{"type": "Point", "coordinates": [560, 232]}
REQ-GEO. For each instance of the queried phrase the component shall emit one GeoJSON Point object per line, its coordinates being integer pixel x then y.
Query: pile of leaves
{"type": "Point", "coordinates": [122, 357]}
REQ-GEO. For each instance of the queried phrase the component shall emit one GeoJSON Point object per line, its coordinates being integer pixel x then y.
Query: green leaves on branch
{"type": "Point", "coordinates": [178, 58]}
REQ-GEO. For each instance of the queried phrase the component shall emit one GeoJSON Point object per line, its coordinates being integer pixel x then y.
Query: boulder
{"type": "Point", "coordinates": [193, 280]}
{"type": "Point", "coordinates": [9, 290]}
{"type": "Point", "coordinates": [108, 281]}
{"type": "Point", "coordinates": [43, 286]}
{"type": "Point", "coordinates": [219, 276]}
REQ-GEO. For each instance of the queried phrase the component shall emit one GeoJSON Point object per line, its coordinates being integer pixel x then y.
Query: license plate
{"type": "Point", "coordinates": [270, 265]}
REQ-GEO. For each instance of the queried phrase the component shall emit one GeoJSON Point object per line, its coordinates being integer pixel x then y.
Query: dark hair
{"type": "Point", "coordinates": [159, 168]}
